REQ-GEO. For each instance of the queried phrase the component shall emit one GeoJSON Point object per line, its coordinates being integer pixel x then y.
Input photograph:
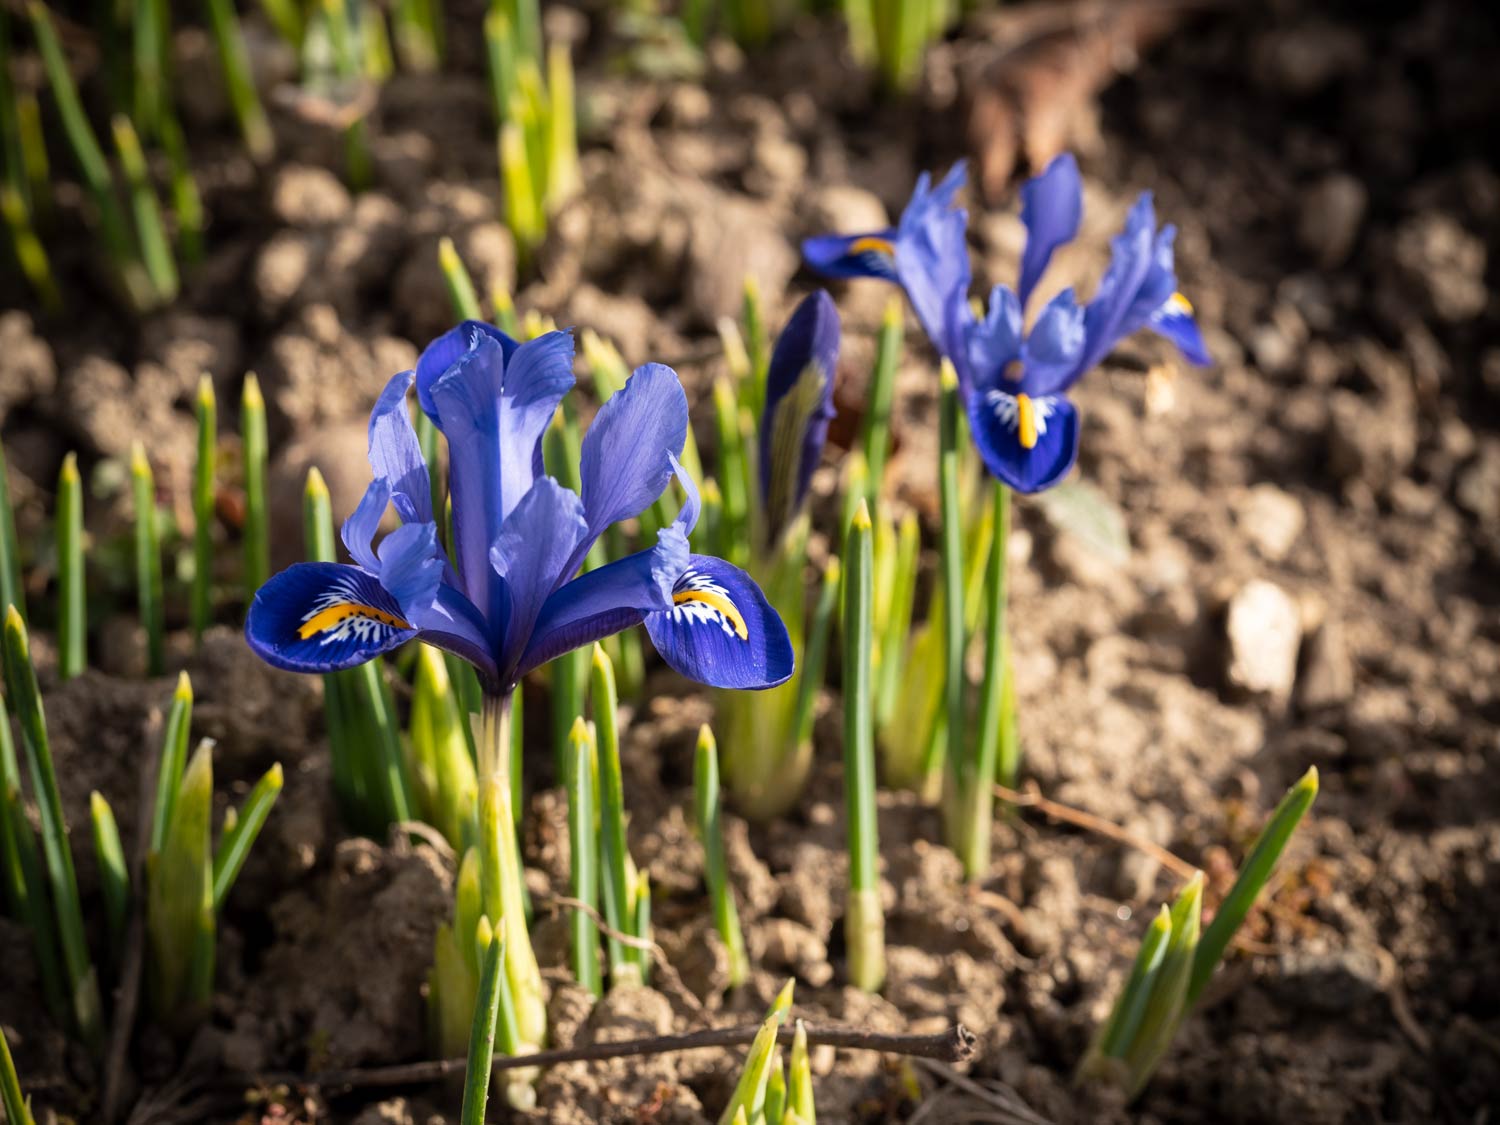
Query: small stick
{"type": "Point", "coordinates": [1032, 798]}
{"type": "Point", "coordinates": [956, 1044]}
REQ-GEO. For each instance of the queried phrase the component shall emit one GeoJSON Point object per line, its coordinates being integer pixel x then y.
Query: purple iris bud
{"type": "Point", "coordinates": [510, 597]}
{"type": "Point", "coordinates": [1015, 382]}
{"type": "Point", "coordinates": [925, 252]}
{"type": "Point", "coordinates": [799, 406]}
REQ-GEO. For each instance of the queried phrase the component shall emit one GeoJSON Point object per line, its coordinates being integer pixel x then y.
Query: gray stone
{"type": "Point", "coordinates": [1271, 519]}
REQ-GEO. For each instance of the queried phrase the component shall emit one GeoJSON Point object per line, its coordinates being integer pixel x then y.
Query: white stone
{"type": "Point", "coordinates": [1264, 629]}
{"type": "Point", "coordinates": [1271, 519]}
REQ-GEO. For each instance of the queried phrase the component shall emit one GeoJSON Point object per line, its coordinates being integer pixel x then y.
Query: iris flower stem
{"type": "Point", "coordinates": [877, 425]}
{"type": "Point", "coordinates": [500, 873]}
{"type": "Point", "coordinates": [864, 923]}
{"type": "Point", "coordinates": [975, 798]}
{"type": "Point", "coordinates": [147, 558]}
{"type": "Point", "coordinates": [11, 591]}
{"type": "Point", "coordinates": [952, 557]}
{"type": "Point", "coordinates": [614, 850]}
{"type": "Point", "coordinates": [72, 641]}
{"type": "Point", "coordinates": [26, 698]}
{"type": "Point", "coordinates": [203, 508]}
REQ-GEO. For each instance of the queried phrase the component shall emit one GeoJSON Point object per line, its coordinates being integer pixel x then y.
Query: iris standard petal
{"type": "Point", "coordinates": [932, 254]}
{"type": "Point", "coordinates": [602, 602]}
{"type": "Point", "coordinates": [1051, 208]}
{"type": "Point", "coordinates": [986, 349]}
{"type": "Point", "coordinates": [720, 630]}
{"type": "Point", "coordinates": [1174, 319]}
{"type": "Point", "coordinates": [625, 459]}
{"type": "Point", "coordinates": [1054, 346]}
{"type": "Point", "coordinates": [531, 554]}
{"type": "Point", "coordinates": [799, 406]}
{"type": "Point", "coordinates": [411, 566]}
{"type": "Point", "coordinates": [1132, 255]}
{"type": "Point", "coordinates": [321, 617]}
{"type": "Point", "coordinates": [445, 351]}
{"type": "Point", "coordinates": [395, 454]}
{"type": "Point", "coordinates": [1029, 443]}
{"type": "Point", "coordinates": [358, 532]}
{"type": "Point", "coordinates": [853, 255]}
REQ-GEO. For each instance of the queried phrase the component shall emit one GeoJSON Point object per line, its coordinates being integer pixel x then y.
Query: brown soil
{"type": "Point", "coordinates": [1333, 177]}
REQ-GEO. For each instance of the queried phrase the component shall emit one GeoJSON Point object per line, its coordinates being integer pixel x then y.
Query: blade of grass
{"type": "Point", "coordinates": [26, 698]}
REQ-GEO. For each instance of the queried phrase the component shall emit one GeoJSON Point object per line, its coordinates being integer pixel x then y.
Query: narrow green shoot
{"type": "Point", "coordinates": [897, 601]}
{"type": "Point", "coordinates": [26, 698]}
{"type": "Point", "coordinates": [757, 349]}
{"type": "Point", "coordinates": [1168, 1003]}
{"type": "Point", "coordinates": [156, 248]}
{"type": "Point", "coordinates": [257, 541]}
{"type": "Point", "coordinates": [775, 1107]}
{"type": "Point", "coordinates": [21, 868]}
{"type": "Point", "coordinates": [148, 582]}
{"type": "Point", "coordinates": [17, 1108]}
{"type": "Point", "coordinates": [734, 477]}
{"type": "Point", "coordinates": [875, 439]}
{"type": "Point", "coordinates": [864, 921]}
{"type": "Point", "coordinates": [442, 767]}
{"type": "Point", "coordinates": [799, 1095]}
{"type": "Point", "coordinates": [1124, 1021]}
{"type": "Point", "coordinates": [72, 608]}
{"type": "Point", "coordinates": [150, 45]}
{"type": "Point", "coordinates": [619, 905]}
{"type": "Point", "coordinates": [240, 832]}
{"type": "Point", "coordinates": [706, 805]}
{"type": "Point", "coordinates": [583, 840]}
{"type": "Point", "coordinates": [461, 292]}
{"type": "Point", "coordinates": [114, 229]}
{"type": "Point", "coordinates": [174, 752]}
{"type": "Point", "coordinates": [952, 559]}
{"type": "Point", "coordinates": [344, 38]}
{"type": "Point", "coordinates": [187, 202]}
{"type": "Point", "coordinates": [234, 60]}
{"type": "Point", "coordinates": [12, 593]}
{"type": "Point", "coordinates": [114, 874]}
{"type": "Point", "coordinates": [523, 209]}
{"type": "Point", "coordinates": [417, 27]}
{"type": "Point", "coordinates": [815, 658]}
{"type": "Point", "coordinates": [203, 508]}
{"type": "Point", "coordinates": [287, 18]}
{"type": "Point", "coordinates": [563, 178]}
{"type": "Point", "coordinates": [1253, 876]}
{"type": "Point", "coordinates": [179, 900]}
{"type": "Point", "coordinates": [482, 1034]}
{"type": "Point", "coordinates": [30, 253]}
{"type": "Point", "coordinates": [749, 1098]}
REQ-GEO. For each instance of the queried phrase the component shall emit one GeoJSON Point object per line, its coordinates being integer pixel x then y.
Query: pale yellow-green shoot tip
{"type": "Point", "coordinates": [14, 622]}
{"type": "Point", "coordinates": [1308, 782]}
{"type": "Point", "coordinates": [832, 570]}
{"type": "Point", "coordinates": [276, 776]}
{"type": "Point", "coordinates": [947, 376]}
{"type": "Point", "coordinates": [448, 254]}
{"type": "Point", "coordinates": [184, 690]}
{"type": "Point", "coordinates": [579, 733]}
{"type": "Point", "coordinates": [206, 390]}
{"type": "Point", "coordinates": [862, 515]}
{"type": "Point", "coordinates": [706, 740]}
{"type": "Point", "coordinates": [98, 806]}
{"type": "Point", "coordinates": [601, 658]}
{"type": "Point", "coordinates": [140, 464]}
{"type": "Point", "coordinates": [250, 396]}
{"type": "Point", "coordinates": [892, 314]}
{"type": "Point", "coordinates": [69, 473]}
{"type": "Point", "coordinates": [316, 487]}
{"type": "Point", "coordinates": [783, 1002]}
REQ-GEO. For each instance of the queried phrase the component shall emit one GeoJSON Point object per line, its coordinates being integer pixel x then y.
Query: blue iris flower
{"type": "Point", "coordinates": [1015, 382]}
{"type": "Point", "coordinates": [925, 253]}
{"type": "Point", "coordinates": [799, 406]}
{"type": "Point", "coordinates": [511, 597]}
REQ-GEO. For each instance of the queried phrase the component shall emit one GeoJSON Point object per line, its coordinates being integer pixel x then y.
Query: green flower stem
{"type": "Point", "coordinates": [815, 659]}
{"type": "Point", "coordinates": [257, 540]}
{"type": "Point", "coordinates": [583, 840]}
{"type": "Point", "coordinates": [238, 80]}
{"type": "Point", "coordinates": [26, 698]}
{"type": "Point", "coordinates": [203, 508]}
{"type": "Point", "coordinates": [864, 922]}
{"type": "Point", "coordinates": [715, 868]}
{"type": "Point", "coordinates": [21, 868]}
{"type": "Point", "coordinates": [952, 556]}
{"type": "Point", "coordinates": [482, 1035]}
{"type": "Point", "coordinates": [72, 609]}
{"type": "Point", "coordinates": [147, 558]}
{"type": "Point", "coordinates": [1252, 877]}
{"type": "Point", "coordinates": [501, 876]}
{"type": "Point", "coordinates": [876, 437]}
{"type": "Point", "coordinates": [17, 1108]}
{"type": "Point", "coordinates": [114, 874]}
{"type": "Point", "coordinates": [240, 836]}
{"type": "Point", "coordinates": [618, 904]}
{"type": "Point", "coordinates": [156, 248]}
{"type": "Point", "coordinates": [974, 800]}
{"type": "Point", "coordinates": [12, 593]}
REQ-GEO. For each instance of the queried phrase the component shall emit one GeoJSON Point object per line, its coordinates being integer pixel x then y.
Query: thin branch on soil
{"type": "Point", "coordinates": [128, 995]}
{"type": "Point", "coordinates": [1032, 798]}
{"type": "Point", "coordinates": [994, 1094]}
{"type": "Point", "coordinates": [956, 1044]}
